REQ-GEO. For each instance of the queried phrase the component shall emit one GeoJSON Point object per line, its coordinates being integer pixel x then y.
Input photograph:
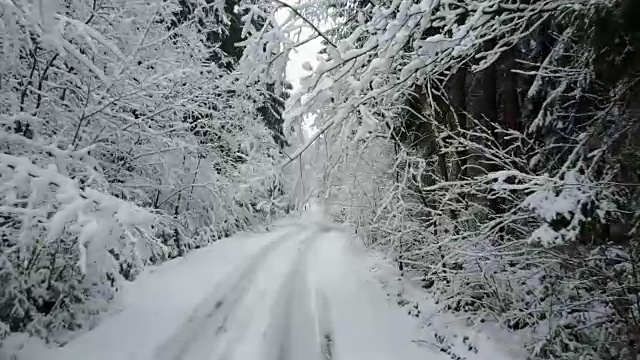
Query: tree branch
{"type": "Point", "coordinates": [295, 11]}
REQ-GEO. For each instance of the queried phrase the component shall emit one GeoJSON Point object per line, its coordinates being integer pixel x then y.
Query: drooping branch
{"type": "Point", "coordinates": [315, 28]}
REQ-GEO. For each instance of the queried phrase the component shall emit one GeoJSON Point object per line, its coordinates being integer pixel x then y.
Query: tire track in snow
{"type": "Point", "coordinates": [290, 334]}
{"type": "Point", "coordinates": [323, 322]}
{"type": "Point", "coordinates": [300, 326]}
{"type": "Point", "coordinates": [324, 328]}
{"type": "Point", "coordinates": [246, 339]}
{"type": "Point", "coordinates": [219, 306]}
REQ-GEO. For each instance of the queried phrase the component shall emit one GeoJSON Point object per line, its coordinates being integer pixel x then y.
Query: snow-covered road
{"type": "Point", "coordinates": [299, 292]}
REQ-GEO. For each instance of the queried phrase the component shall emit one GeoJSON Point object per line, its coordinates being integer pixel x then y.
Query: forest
{"type": "Point", "coordinates": [486, 146]}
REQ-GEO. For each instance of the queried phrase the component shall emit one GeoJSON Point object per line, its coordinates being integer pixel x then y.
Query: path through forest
{"type": "Point", "coordinates": [303, 291]}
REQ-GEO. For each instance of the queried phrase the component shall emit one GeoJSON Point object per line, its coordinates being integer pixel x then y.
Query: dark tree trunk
{"type": "Point", "coordinates": [510, 99]}
{"type": "Point", "coordinates": [459, 121]}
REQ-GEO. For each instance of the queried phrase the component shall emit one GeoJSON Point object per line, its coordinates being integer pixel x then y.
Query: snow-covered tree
{"type": "Point", "coordinates": [486, 144]}
{"type": "Point", "coordinates": [122, 142]}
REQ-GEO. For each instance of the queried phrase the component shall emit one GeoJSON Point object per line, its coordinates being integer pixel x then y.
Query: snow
{"type": "Point", "coordinates": [160, 300]}
{"type": "Point", "coordinates": [364, 324]}
{"type": "Point", "coordinates": [306, 290]}
{"type": "Point", "coordinates": [445, 332]}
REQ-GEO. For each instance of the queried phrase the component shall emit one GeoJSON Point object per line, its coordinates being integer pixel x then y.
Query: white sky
{"type": "Point", "coordinates": [302, 54]}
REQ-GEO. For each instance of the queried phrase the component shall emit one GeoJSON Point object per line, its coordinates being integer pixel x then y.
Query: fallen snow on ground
{"type": "Point", "coordinates": [303, 291]}
{"type": "Point", "coordinates": [445, 332]}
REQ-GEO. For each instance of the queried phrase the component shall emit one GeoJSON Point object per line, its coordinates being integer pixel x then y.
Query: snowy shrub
{"type": "Point", "coordinates": [63, 246]}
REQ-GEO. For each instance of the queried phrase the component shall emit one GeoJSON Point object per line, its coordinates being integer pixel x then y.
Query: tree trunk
{"type": "Point", "coordinates": [459, 121]}
{"type": "Point", "coordinates": [510, 99]}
